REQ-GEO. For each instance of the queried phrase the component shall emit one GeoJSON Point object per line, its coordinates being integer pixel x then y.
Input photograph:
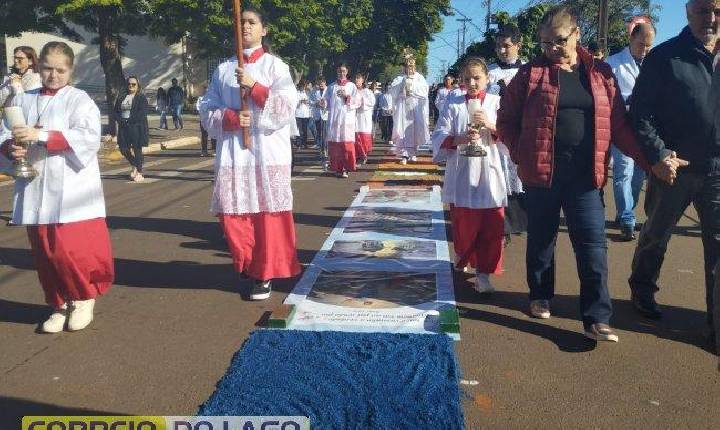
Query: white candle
{"type": "Point", "coordinates": [473, 106]}
{"type": "Point", "coordinates": [14, 116]}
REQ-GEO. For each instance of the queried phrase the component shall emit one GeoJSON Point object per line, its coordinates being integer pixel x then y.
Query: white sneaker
{"type": "Point", "coordinates": [391, 143]}
{"type": "Point", "coordinates": [56, 322]}
{"type": "Point", "coordinates": [81, 314]}
{"type": "Point", "coordinates": [345, 175]}
{"type": "Point", "coordinates": [482, 284]}
{"type": "Point", "coordinates": [413, 159]}
{"type": "Point", "coordinates": [403, 161]}
{"type": "Point", "coordinates": [139, 177]}
{"type": "Point", "coordinates": [133, 173]}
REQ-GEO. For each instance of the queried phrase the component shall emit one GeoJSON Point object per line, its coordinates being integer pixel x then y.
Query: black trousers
{"type": "Point", "coordinates": [302, 124]}
{"type": "Point", "coordinates": [204, 140]}
{"type": "Point", "coordinates": [664, 205]}
{"type": "Point", "coordinates": [134, 155]}
{"type": "Point", "coordinates": [386, 126]}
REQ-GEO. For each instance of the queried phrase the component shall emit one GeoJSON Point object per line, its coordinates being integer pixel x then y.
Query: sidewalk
{"type": "Point", "coordinates": [159, 139]}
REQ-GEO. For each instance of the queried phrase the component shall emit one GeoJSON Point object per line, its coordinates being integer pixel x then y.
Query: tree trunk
{"type": "Point", "coordinates": [110, 60]}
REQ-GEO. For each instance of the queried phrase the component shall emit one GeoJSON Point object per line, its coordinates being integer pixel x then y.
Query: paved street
{"type": "Point", "coordinates": [166, 332]}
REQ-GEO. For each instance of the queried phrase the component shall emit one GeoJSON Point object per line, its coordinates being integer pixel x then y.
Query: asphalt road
{"type": "Point", "coordinates": [166, 332]}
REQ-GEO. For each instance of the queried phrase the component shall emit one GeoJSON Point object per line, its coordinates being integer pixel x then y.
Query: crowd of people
{"type": "Point", "coordinates": [520, 141]}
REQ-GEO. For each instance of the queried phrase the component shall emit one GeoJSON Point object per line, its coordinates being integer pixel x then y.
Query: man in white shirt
{"type": "Point", "coordinates": [628, 178]}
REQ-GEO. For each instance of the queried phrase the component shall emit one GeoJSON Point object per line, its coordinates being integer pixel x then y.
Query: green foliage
{"type": "Point", "coordinates": [528, 20]}
{"type": "Point", "coordinates": [311, 35]}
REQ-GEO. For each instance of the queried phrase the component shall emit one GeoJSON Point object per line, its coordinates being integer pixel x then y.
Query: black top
{"type": "Point", "coordinates": [133, 131]}
{"type": "Point", "coordinates": [671, 108]}
{"type": "Point", "coordinates": [575, 120]}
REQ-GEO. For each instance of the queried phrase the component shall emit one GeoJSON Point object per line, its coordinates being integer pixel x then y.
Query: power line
{"type": "Point", "coordinates": [456, 10]}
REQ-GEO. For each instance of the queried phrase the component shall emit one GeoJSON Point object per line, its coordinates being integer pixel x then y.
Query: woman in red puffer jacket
{"type": "Point", "coordinates": [557, 117]}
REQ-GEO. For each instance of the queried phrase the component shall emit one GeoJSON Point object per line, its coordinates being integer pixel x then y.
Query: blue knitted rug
{"type": "Point", "coordinates": [343, 380]}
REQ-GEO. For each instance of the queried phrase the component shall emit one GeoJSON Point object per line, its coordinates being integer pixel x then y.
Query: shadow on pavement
{"type": "Point", "coordinates": [12, 409]}
{"type": "Point", "coordinates": [681, 325]}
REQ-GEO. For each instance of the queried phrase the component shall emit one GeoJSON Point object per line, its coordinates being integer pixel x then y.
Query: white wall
{"type": "Point", "coordinates": [150, 59]}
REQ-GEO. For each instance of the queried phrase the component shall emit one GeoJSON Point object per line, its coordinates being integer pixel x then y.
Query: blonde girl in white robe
{"type": "Point", "coordinates": [63, 207]}
{"type": "Point", "coordinates": [474, 187]}
{"type": "Point", "coordinates": [252, 195]}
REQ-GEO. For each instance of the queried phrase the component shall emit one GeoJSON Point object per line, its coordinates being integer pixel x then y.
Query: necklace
{"type": "Point", "coordinates": [41, 112]}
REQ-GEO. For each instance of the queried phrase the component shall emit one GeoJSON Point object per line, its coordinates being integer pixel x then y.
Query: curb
{"type": "Point", "coordinates": [115, 154]}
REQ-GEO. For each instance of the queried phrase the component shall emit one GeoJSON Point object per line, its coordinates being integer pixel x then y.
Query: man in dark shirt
{"type": "Point", "coordinates": [176, 99]}
{"type": "Point", "coordinates": [672, 114]}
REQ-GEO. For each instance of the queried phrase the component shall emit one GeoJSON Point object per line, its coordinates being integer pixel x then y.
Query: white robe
{"type": "Point", "coordinates": [68, 187]}
{"type": "Point", "coordinates": [257, 179]}
{"type": "Point", "coordinates": [366, 106]}
{"type": "Point", "coordinates": [441, 96]}
{"type": "Point", "coordinates": [342, 120]}
{"type": "Point", "coordinates": [410, 117]}
{"type": "Point", "coordinates": [497, 74]}
{"type": "Point", "coordinates": [470, 182]}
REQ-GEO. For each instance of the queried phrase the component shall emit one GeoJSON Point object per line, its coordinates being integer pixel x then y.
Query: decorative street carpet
{"type": "Point", "coordinates": [370, 342]}
{"type": "Point", "coordinates": [343, 380]}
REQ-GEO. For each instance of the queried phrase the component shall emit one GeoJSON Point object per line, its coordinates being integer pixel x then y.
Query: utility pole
{"type": "Point", "coordinates": [464, 22]}
{"type": "Point", "coordinates": [458, 44]}
{"type": "Point", "coordinates": [603, 19]}
{"type": "Point", "coordinates": [488, 3]}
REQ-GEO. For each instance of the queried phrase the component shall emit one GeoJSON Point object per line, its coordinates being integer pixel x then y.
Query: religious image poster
{"type": "Point", "coordinates": [399, 196]}
{"type": "Point", "coordinates": [385, 249]}
{"type": "Point", "coordinates": [391, 221]}
{"type": "Point", "coordinates": [370, 302]}
{"type": "Point", "coordinates": [373, 290]}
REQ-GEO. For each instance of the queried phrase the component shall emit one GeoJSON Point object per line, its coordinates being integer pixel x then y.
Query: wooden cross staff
{"type": "Point", "coordinates": [237, 17]}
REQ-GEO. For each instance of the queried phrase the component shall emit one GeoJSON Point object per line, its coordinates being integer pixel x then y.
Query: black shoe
{"type": "Point", "coordinates": [627, 233]}
{"type": "Point", "coordinates": [260, 290]}
{"type": "Point", "coordinates": [646, 307]}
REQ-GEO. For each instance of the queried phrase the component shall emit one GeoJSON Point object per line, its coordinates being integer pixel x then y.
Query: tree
{"type": "Point", "coordinates": [396, 25]}
{"type": "Point", "coordinates": [110, 19]}
{"type": "Point", "coordinates": [303, 32]}
{"type": "Point", "coordinates": [311, 35]}
{"type": "Point", "coordinates": [528, 20]}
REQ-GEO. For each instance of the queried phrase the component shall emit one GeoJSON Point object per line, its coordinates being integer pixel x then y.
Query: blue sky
{"type": "Point", "coordinates": [672, 20]}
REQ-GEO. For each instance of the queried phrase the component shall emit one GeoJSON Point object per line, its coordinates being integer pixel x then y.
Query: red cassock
{"type": "Point", "coordinates": [363, 145]}
{"type": "Point", "coordinates": [342, 156]}
{"type": "Point", "coordinates": [262, 244]}
{"type": "Point", "coordinates": [74, 260]}
{"type": "Point", "coordinates": [478, 236]}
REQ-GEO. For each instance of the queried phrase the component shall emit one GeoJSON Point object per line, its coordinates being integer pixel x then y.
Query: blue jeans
{"type": "Point", "coordinates": [584, 211]}
{"type": "Point", "coordinates": [177, 115]}
{"type": "Point", "coordinates": [163, 118]}
{"type": "Point", "coordinates": [628, 180]}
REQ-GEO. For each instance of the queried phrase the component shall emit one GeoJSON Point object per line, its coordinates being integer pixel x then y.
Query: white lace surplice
{"type": "Point", "coordinates": [257, 179]}
{"type": "Point", "coordinates": [342, 122]}
{"type": "Point", "coordinates": [366, 104]}
{"type": "Point", "coordinates": [470, 182]}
